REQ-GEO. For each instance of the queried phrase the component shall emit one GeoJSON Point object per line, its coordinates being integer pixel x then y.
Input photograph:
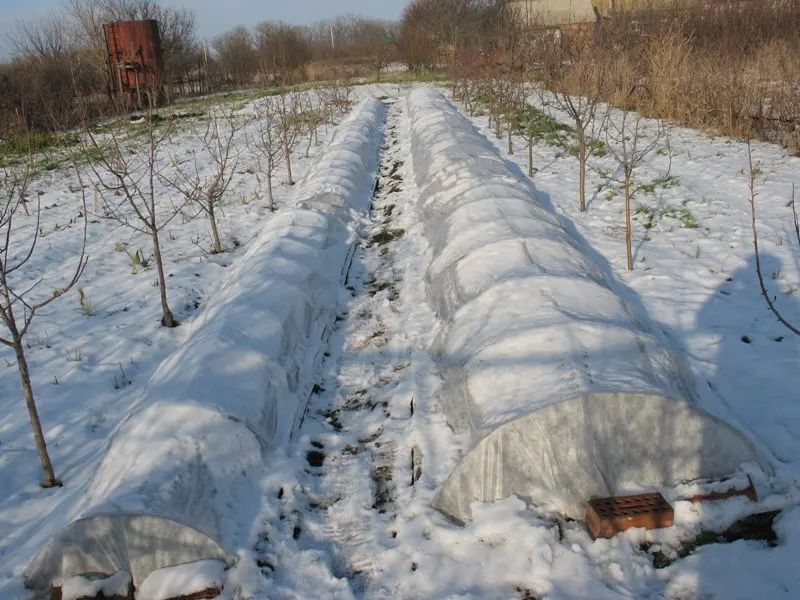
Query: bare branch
{"type": "Point", "coordinates": [114, 173]}
{"type": "Point", "coordinates": [753, 172]}
{"type": "Point", "coordinates": [794, 216]}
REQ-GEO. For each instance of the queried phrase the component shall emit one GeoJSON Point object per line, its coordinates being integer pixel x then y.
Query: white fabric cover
{"type": "Point", "coordinates": [568, 391]}
{"type": "Point", "coordinates": [237, 386]}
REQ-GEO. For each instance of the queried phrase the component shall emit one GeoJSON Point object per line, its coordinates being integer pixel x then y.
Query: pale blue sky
{"type": "Point", "coordinates": [216, 16]}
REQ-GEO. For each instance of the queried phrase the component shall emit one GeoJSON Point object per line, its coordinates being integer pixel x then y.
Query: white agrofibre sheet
{"type": "Point", "coordinates": [235, 388]}
{"type": "Point", "coordinates": [567, 388]}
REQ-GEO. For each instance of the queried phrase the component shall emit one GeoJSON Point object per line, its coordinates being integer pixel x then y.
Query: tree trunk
{"type": "Point", "coordinates": [50, 479]}
{"type": "Point", "coordinates": [628, 240]}
{"type": "Point", "coordinates": [290, 181]}
{"type": "Point", "coordinates": [214, 231]}
{"type": "Point", "coordinates": [510, 138]}
{"type": "Point", "coordinates": [582, 169]}
{"type": "Point", "coordinates": [167, 320]}
{"type": "Point", "coordinates": [530, 157]}
{"type": "Point", "coordinates": [269, 190]}
{"type": "Point", "coordinates": [310, 140]}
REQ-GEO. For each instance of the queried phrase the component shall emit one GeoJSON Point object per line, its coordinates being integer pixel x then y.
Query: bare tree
{"type": "Point", "coordinates": [48, 37]}
{"type": "Point", "coordinates": [534, 125]}
{"type": "Point", "coordinates": [417, 46]}
{"type": "Point", "coordinates": [207, 191]}
{"type": "Point", "coordinates": [289, 107]}
{"type": "Point", "coordinates": [237, 54]}
{"type": "Point", "coordinates": [312, 115]}
{"type": "Point", "coordinates": [754, 172]}
{"type": "Point", "coordinates": [630, 145]}
{"type": "Point", "coordinates": [512, 99]}
{"type": "Point", "coordinates": [268, 142]}
{"type": "Point", "coordinates": [467, 71]}
{"type": "Point", "coordinates": [795, 219]}
{"type": "Point", "coordinates": [17, 304]}
{"type": "Point", "coordinates": [574, 82]}
{"type": "Point", "coordinates": [374, 41]}
{"type": "Point", "coordinates": [125, 176]}
{"type": "Point", "coordinates": [452, 23]}
{"type": "Point", "coordinates": [336, 98]}
{"type": "Point", "coordinates": [282, 51]}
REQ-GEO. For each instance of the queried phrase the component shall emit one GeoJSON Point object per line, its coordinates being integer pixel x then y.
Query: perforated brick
{"type": "Point", "coordinates": [606, 517]}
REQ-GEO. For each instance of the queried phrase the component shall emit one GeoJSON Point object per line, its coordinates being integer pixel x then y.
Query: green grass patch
{"type": "Point", "coordinates": [682, 214]}
{"type": "Point", "coordinates": [649, 215]}
{"type": "Point", "coordinates": [668, 182]}
{"type": "Point", "coordinates": [385, 236]}
{"type": "Point", "coordinates": [541, 127]}
{"type": "Point", "coordinates": [36, 143]}
{"type": "Point", "coordinates": [758, 527]}
{"type": "Point", "coordinates": [596, 148]}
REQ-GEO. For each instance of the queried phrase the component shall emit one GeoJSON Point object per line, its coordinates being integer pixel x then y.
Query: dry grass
{"type": "Point", "coordinates": [733, 69]}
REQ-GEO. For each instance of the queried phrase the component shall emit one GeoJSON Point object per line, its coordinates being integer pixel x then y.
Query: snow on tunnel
{"type": "Point", "coordinates": [235, 388]}
{"type": "Point", "coordinates": [569, 391]}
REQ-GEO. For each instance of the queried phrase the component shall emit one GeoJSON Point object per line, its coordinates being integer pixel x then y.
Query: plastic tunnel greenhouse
{"type": "Point", "coordinates": [569, 391]}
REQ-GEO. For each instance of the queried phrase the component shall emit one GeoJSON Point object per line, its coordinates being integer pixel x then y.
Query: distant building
{"type": "Point", "coordinates": [548, 14]}
{"type": "Point", "coordinates": [576, 20]}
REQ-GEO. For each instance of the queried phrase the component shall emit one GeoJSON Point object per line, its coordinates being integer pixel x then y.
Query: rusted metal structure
{"type": "Point", "coordinates": [135, 62]}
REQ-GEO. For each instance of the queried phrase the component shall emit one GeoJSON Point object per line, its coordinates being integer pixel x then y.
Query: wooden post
{"type": "Point", "coordinates": [136, 76]}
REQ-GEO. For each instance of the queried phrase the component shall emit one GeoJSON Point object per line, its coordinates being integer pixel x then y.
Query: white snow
{"type": "Point", "coordinates": [305, 532]}
{"type": "Point", "coordinates": [239, 382]}
{"type": "Point", "coordinates": [699, 286]}
{"type": "Point", "coordinates": [89, 368]}
{"type": "Point", "coordinates": [118, 584]}
{"type": "Point", "coordinates": [182, 580]}
{"type": "Point", "coordinates": [568, 390]}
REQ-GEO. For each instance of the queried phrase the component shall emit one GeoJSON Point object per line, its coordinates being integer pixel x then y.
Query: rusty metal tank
{"type": "Point", "coordinates": [135, 61]}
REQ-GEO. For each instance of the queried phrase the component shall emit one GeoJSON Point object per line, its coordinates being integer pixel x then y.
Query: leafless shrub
{"type": "Point", "coordinates": [574, 82]}
{"type": "Point", "coordinates": [629, 145]}
{"type": "Point", "coordinates": [313, 113]}
{"type": "Point", "coordinates": [20, 292]}
{"type": "Point", "coordinates": [289, 107]}
{"type": "Point", "coordinates": [125, 172]}
{"type": "Point", "coordinates": [267, 143]}
{"type": "Point", "coordinates": [205, 182]}
{"type": "Point", "coordinates": [282, 52]}
{"type": "Point", "coordinates": [336, 97]}
{"type": "Point", "coordinates": [237, 55]}
{"type": "Point", "coordinates": [732, 68]}
{"type": "Point", "coordinates": [754, 172]}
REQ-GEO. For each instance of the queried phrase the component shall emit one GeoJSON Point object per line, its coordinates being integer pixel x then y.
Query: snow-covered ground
{"type": "Point", "coordinates": [699, 285]}
{"type": "Point", "coordinates": [345, 510]}
{"type": "Point", "coordinates": [90, 362]}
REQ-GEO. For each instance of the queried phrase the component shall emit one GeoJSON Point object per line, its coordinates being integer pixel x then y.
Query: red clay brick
{"type": "Point", "coordinates": [606, 517]}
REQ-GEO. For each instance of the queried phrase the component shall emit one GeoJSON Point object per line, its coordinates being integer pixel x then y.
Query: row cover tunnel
{"type": "Point", "coordinates": [234, 390]}
{"type": "Point", "coordinates": [568, 390]}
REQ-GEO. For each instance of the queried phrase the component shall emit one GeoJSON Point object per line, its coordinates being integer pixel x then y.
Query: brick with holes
{"type": "Point", "coordinates": [606, 517]}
